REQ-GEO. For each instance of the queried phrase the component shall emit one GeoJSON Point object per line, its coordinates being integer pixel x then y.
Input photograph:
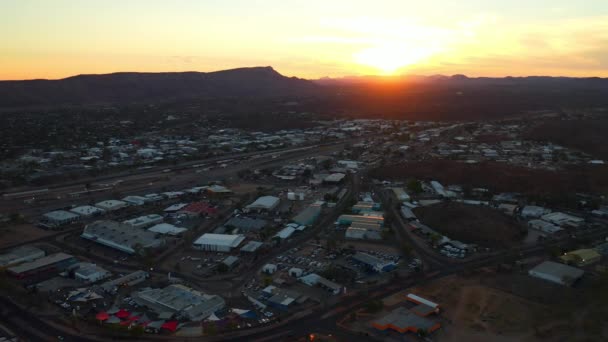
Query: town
{"type": "Point", "coordinates": [351, 229]}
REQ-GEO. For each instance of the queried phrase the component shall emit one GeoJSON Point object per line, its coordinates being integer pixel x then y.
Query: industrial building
{"type": "Point", "coordinates": [372, 263]}
{"type": "Point", "coordinates": [199, 209]}
{"type": "Point", "coordinates": [365, 207]}
{"type": "Point", "coordinates": [403, 320]}
{"type": "Point", "coordinates": [175, 208]}
{"type": "Point", "coordinates": [89, 273]}
{"type": "Point", "coordinates": [562, 219]}
{"type": "Point", "coordinates": [532, 211]}
{"type": "Point", "coordinates": [264, 203]}
{"type": "Point", "coordinates": [20, 255]}
{"type": "Point", "coordinates": [544, 226]}
{"type": "Point", "coordinates": [556, 273]}
{"type": "Point", "coordinates": [334, 178]}
{"type": "Point", "coordinates": [87, 211]}
{"type": "Point", "coordinates": [111, 205]}
{"type": "Point", "coordinates": [167, 229]}
{"type": "Point", "coordinates": [136, 200]}
{"type": "Point", "coordinates": [59, 218]}
{"type": "Point", "coordinates": [180, 301]}
{"type": "Point", "coordinates": [370, 219]}
{"type": "Point", "coordinates": [285, 233]}
{"type": "Point", "coordinates": [251, 247]}
{"type": "Point", "coordinates": [50, 264]}
{"type": "Point", "coordinates": [314, 279]}
{"type": "Point", "coordinates": [120, 236]}
{"type": "Point", "coordinates": [127, 280]}
{"type": "Point", "coordinates": [218, 242]}
{"type": "Point", "coordinates": [400, 194]}
{"type": "Point", "coordinates": [144, 221]}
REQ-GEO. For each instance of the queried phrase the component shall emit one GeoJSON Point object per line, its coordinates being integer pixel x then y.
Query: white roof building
{"type": "Point", "coordinates": [144, 221]}
{"type": "Point", "coordinates": [120, 236]}
{"type": "Point", "coordinates": [265, 203]}
{"type": "Point", "coordinates": [556, 273]}
{"type": "Point", "coordinates": [181, 300]}
{"type": "Point", "coordinates": [175, 207]}
{"type": "Point", "coordinates": [111, 205]}
{"type": "Point", "coordinates": [90, 273]}
{"type": "Point", "coordinates": [544, 226]}
{"type": "Point", "coordinates": [167, 229]}
{"type": "Point", "coordinates": [60, 217]}
{"type": "Point", "coordinates": [562, 219]}
{"type": "Point", "coordinates": [218, 242]}
{"type": "Point", "coordinates": [285, 232]}
{"type": "Point", "coordinates": [20, 255]}
{"type": "Point", "coordinates": [533, 211]}
{"type": "Point", "coordinates": [135, 200]}
{"type": "Point", "coordinates": [334, 178]}
{"type": "Point", "coordinates": [87, 211]}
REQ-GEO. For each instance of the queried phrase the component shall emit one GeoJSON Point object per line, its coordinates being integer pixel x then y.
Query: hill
{"type": "Point", "coordinates": [129, 87]}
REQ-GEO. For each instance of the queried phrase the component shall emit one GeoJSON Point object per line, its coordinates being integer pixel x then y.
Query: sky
{"type": "Point", "coordinates": [308, 38]}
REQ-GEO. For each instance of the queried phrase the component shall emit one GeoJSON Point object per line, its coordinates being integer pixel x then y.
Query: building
{"type": "Point", "coordinates": [144, 221]}
{"type": "Point", "coordinates": [334, 178]}
{"type": "Point", "coordinates": [365, 207]}
{"type": "Point", "coordinates": [127, 280]}
{"type": "Point", "coordinates": [251, 247]}
{"type": "Point", "coordinates": [87, 211]}
{"type": "Point", "coordinates": [246, 224]}
{"type": "Point", "coordinates": [218, 242]}
{"type": "Point", "coordinates": [372, 263]}
{"type": "Point", "coordinates": [314, 279]}
{"type": "Point", "coordinates": [60, 218]}
{"type": "Point", "coordinates": [562, 219]}
{"type": "Point", "coordinates": [48, 265]}
{"type": "Point", "coordinates": [264, 203]}
{"type": "Point", "coordinates": [269, 268]}
{"type": "Point", "coordinates": [370, 219]}
{"type": "Point", "coordinates": [400, 194]}
{"type": "Point", "coordinates": [218, 191]}
{"type": "Point", "coordinates": [167, 229]}
{"type": "Point", "coordinates": [111, 205]}
{"type": "Point", "coordinates": [308, 216]}
{"type": "Point", "coordinates": [20, 255]}
{"type": "Point", "coordinates": [295, 272]}
{"type": "Point", "coordinates": [180, 301]}
{"type": "Point", "coordinates": [581, 257]}
{"type": "Point", "coordinates": [532, 211]}
{"type": "Point", "coordinates": [407, 213]}
{"type": "Point", "coordinates": [121, 236]}
{"type": "Point", "coordinates": [403, 320]}
{"type": "Point", "coordinates": [89, 273]}
{"type": "Point", "coordinates": [199, 209]}
{"type": "Point", "coordinates": [175, 208]}
{"type": "Point", "coordinates": [556, 273]}
{"type": "Point", "coordinates": [231, 261]}
{"type": "Point", "coordinates": [136, 200]}
{"type": "Point", "coordinates": [439, 189]}
{"type": "Point", "coordinates": [544, 226]}
{"type": "Point", "coordinates": [285, 233]}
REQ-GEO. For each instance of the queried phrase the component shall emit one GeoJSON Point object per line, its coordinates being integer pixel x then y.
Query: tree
{"type": "Point", "coordinates": [267, 280]}
{"type": "Point", "coordinates": [222, 268]}
{"type": "Point", "coordinates": [414, 186]}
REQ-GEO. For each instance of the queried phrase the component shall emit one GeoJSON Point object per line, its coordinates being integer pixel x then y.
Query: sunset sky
{"type": "Point", "coordinates": [308, 38]}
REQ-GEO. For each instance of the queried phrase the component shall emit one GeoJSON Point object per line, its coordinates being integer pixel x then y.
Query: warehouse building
{"type": "Point", "coordinates": [111, 205]}
{"type": "Point", "coordinates": [369, 219]}
{"type": "Point", "coordinates": [218, 242]}
{"type": "Point", "coordinates": [285, 233]}
{"type": "Point", "coordinates": [544, 226]}
{"type": "Point", "coordinates": [49, 265]}
{"type": "Point", "coordinates": [334, 178]}
{"type": "Point", "coordinates": [400, 194]}
{"type": "Point", "coordinates": [314, 279]}
{"type": "Point", "coordinates": [264, 203]}
{"type": "Point", "coordinates": [199, 209]}
{"type": "Point", "coordinates": [175, 208]}
{"type": "Point", "coordinates": [562, 219]}
{"type": "Point", "coordinates": [136, 200]}
{"type": "Point", "coordinates": [167, 229]}
{"type": "Point", "coordinates": [20, 255]}
{"type": "Point", "coordinates": [251, 247]}
{"type": "Point", "coordinates": [403, 320]}
{"type": "Point", "coordinates": [120, 236]}
{"type": "Point", "coordinates": [87, 211]}
{"type": "Point", "coordinates": [89, 273]}
{"type": "Point", "coordinates": [365, 207]}
{"type": "Point", "coordinates": [556, 273]}
{"type": "Point", "coordinates": [180, 301]}
{"type": "Point", "coordinates": [144, 221]}
{"type": "Point", "coordinates": [127, 280]}
{"type": "Point", "coordinates": [532, 211]}
{"type": "Point", "coordinates": [59, 218]}
{"type": "Point", "coordinates": [372, 263]}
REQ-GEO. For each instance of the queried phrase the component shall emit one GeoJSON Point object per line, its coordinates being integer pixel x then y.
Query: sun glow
{"type": "Point", "coordinates": [389, 58]}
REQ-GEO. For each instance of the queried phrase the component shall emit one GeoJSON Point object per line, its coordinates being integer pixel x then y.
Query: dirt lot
{"type": "Point", "coordinates": [501, 177]}
{"type": "Point", "coordinates": [481, 225]}
{"type": "Point", "coordinates": [516, 307]}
